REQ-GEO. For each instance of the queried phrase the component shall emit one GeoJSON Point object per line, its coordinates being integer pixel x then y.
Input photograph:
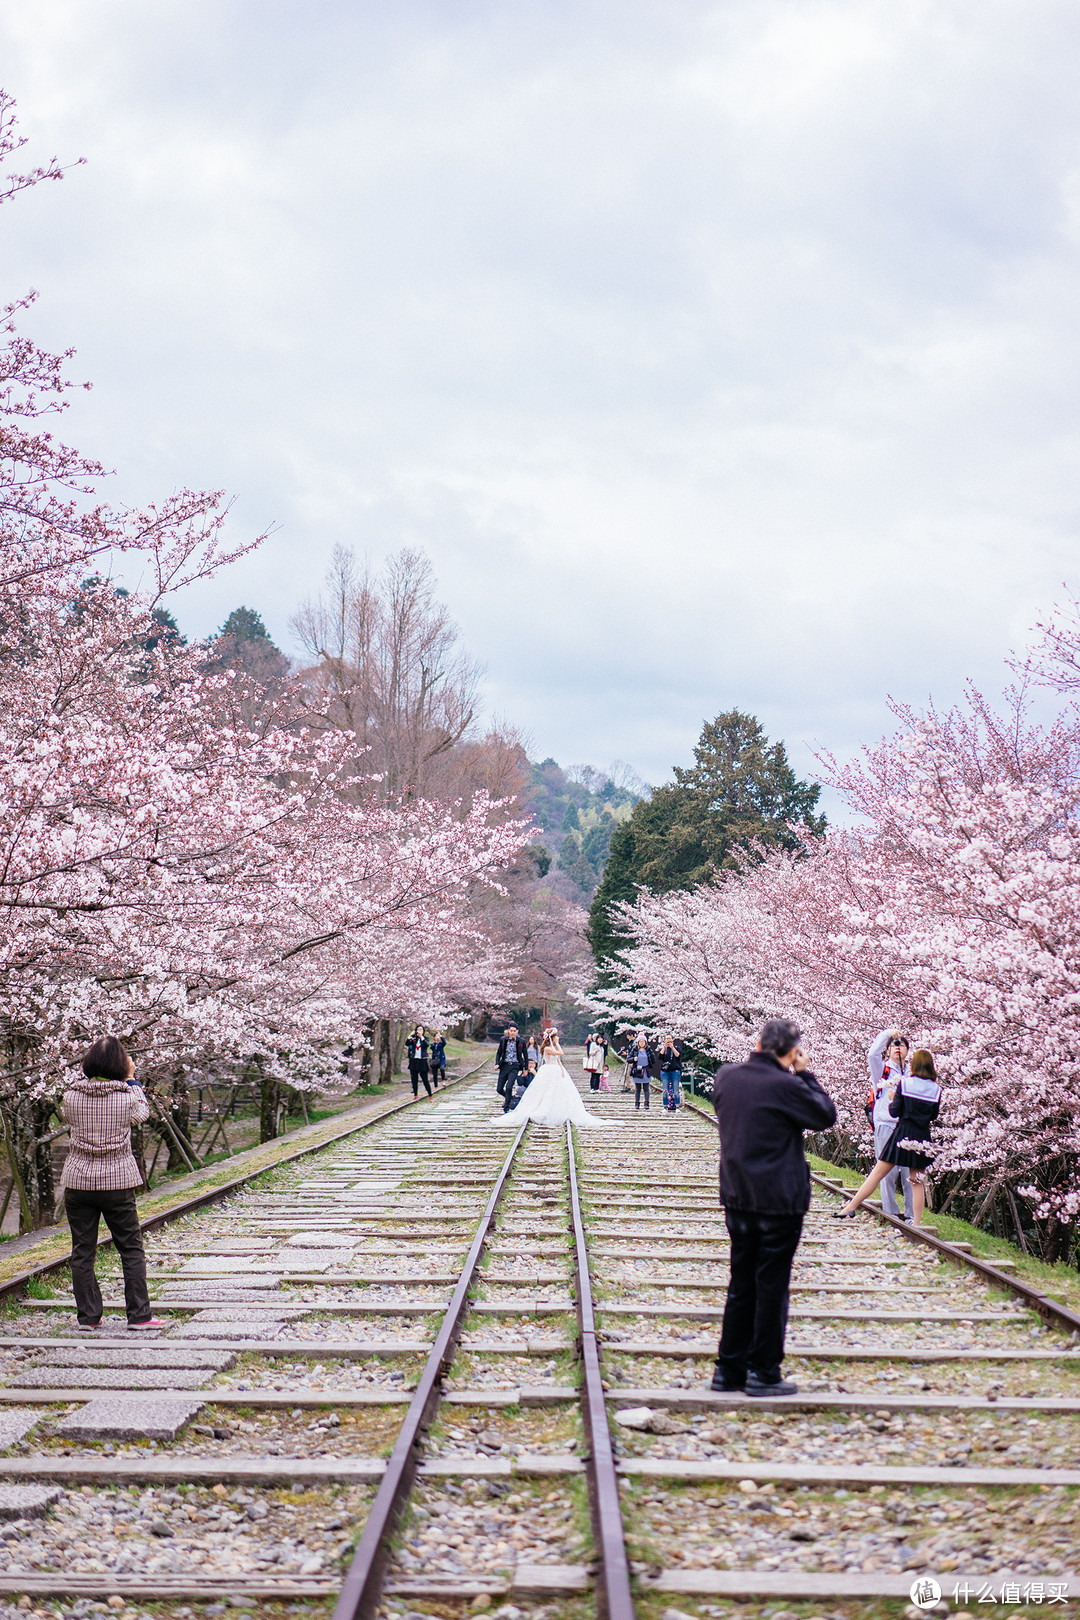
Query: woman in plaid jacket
{"type": "Point", "coordinates": [100, 1177]}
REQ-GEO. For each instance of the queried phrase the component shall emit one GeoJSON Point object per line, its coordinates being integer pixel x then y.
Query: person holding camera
{"type": "Point", "coordinates": [437, 1060]}
{"type": "Point", "coordinates": [671, 1074]}
{"type": "Point", "coordinates": [416, 1049]}
{"type": "Point", "coordinates": [100, 1177]}
{"type": "Point", "coordinates": [645, 1067]}
{"type": "Point", "coordinates": [763, 1106]}
{"type": "Point", "coordinates": [888, 1062]}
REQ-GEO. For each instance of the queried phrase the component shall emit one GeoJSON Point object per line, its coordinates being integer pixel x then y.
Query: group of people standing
{"type": "Point", "coordinates": [763, 1107]}
{"type": "Point", "coordinates": [427, 1059]}
{"type": "Point", "coordinates": [647, 1064]}
{"type": "Point", "coordinates": [905, 1100]}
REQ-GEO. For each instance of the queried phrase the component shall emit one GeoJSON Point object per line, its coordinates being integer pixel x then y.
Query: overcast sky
{"type": "Point", "coordinates": [718, 354]}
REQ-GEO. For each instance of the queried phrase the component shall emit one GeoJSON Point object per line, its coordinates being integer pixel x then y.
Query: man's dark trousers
{"type": "Point", "coordinates": [508, 1073]}
{"type": "Point", "coordinates": [755, 1316]}
{"type": "Point", "coordinates": [84, 1209]}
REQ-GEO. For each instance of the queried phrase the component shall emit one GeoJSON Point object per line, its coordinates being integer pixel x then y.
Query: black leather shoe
{"type": "Point", "coordinates": [724, 1384]}
{"type": "Point", "coordinates": [779, 1386]}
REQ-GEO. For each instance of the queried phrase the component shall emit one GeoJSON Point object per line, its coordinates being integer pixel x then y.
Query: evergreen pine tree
{"type": "Point", "coordinates": [739, 789]}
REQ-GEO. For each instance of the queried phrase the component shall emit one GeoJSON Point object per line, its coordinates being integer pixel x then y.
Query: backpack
{"type": "Point", "coordinates": [886, 1070]}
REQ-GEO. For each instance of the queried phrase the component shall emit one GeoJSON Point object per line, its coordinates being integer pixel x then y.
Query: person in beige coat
{"type": "Point", "coordinates": [100, 1177]}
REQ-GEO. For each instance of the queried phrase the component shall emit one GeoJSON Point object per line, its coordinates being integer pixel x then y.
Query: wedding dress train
{"type": "Point", "coordinates": [550, 1099]}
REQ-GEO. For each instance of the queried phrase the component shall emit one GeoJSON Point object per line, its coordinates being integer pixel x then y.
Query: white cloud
{"type": "Point", "coordinates": [732, 345]}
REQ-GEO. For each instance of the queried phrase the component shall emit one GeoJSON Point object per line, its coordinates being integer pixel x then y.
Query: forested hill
{"type": "Point", "coordinates": [578, 810]}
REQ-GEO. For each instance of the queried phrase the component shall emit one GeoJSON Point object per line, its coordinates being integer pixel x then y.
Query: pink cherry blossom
{"type": "Point", "coordinates": [951, 909]}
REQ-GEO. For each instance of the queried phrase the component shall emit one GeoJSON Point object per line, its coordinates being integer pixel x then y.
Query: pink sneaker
{"type": "Point", "coordinates": [88, 1327]}
{"type": "Point", "coordinates": [153, 1322]}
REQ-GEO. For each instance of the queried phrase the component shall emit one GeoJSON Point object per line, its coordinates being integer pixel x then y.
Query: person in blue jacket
{"type": "Point", "coordinates": [671, 1073]}
{"type": "Point", "coordinates": [437, 1059]}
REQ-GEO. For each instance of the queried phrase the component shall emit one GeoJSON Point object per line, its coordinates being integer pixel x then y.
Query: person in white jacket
{"type": "Point", "coordinates": [888, 1060]}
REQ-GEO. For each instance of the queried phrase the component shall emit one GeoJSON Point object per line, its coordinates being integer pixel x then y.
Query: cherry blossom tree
{"type": "Point", "coordinates": [199, 883]}
{"type": "Point", "coordinates": [953, 909]}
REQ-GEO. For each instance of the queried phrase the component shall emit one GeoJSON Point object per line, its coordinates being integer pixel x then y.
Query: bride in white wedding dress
{"type": "Point", "coordinates": [551, 1098]}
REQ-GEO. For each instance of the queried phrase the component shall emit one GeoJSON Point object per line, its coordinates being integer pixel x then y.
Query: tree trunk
{"type": "Point", "coordinates": [269, 1099]}
{"type": "Point", "coordinates": [363, 1071]}
{"type": "Point", "coordinates": [386, 1063]}
{"type": "Point", "coordinates": [25, 1145]}
{"type": "Point", "coordinates": [481, 1020]}
{"type": "Point", "coordinates": [1020, 1238]}
{"type": "Point", "coordinates": [178, 1108]}
{"type": "Point", "coordinates": [399, 1045]}
{"type": "Point", "coordinates": [41, 1114]}
{"type": "Point", "coordinates": [30, 1124]}
{"type": "Point", "coordinates": [1055, 1239]}
{"type": "Point", "coordinates": [138, 1148]}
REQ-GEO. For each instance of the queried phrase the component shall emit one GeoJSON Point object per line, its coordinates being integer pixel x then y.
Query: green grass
{"type": "Point", "coordinates": [1058, 1279]}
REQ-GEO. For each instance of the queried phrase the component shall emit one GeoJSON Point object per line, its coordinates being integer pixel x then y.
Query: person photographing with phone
{"type": "Point", "coordinates": [763, 1106]}
{"type": "Point", "coordinates": [915, 1105]}
{"type": "Point", "coordinates": [888, 1063]}
{"type": "Point", "coordinates": [100, 1177]}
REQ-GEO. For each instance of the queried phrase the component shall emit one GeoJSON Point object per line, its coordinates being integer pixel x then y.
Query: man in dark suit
{"type": "Point", "coordinates": [763, 1106]}
{"type": "Point", "coordinates": [509, 1060]}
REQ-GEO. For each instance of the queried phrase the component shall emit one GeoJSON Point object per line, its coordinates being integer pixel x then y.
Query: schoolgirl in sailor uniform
{"type": "Point", "coordinates": [915, 1106]}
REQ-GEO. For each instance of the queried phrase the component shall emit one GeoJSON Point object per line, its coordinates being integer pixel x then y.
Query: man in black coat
{"type": "Point", "coordinates": [763, 1106]}
{"type": "Point", "coordinates": [509, 1060]}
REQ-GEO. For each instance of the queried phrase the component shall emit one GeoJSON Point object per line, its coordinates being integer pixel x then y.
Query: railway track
{"type": "Point", "coordinates": [436, 1364]}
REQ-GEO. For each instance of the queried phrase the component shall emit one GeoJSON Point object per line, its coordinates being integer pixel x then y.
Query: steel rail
{"type": "Point", "coordinates": [362, 1587]}
{"type": "Point", "coordinates": [614, 1598]}
{"type": "Point", "coordinates": [1049, 1308]}
{"type": "Point", "coordinates": [15, 1285]}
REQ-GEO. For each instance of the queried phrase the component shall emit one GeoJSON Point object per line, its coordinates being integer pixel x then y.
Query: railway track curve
{"type": "Point", "coordinates": [434, 1364]}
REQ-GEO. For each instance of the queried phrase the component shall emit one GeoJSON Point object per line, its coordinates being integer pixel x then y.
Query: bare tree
{"type": "Point", "coordinates": [388, 667]}
{"type": "Point", "coordinates": [622, 775]}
